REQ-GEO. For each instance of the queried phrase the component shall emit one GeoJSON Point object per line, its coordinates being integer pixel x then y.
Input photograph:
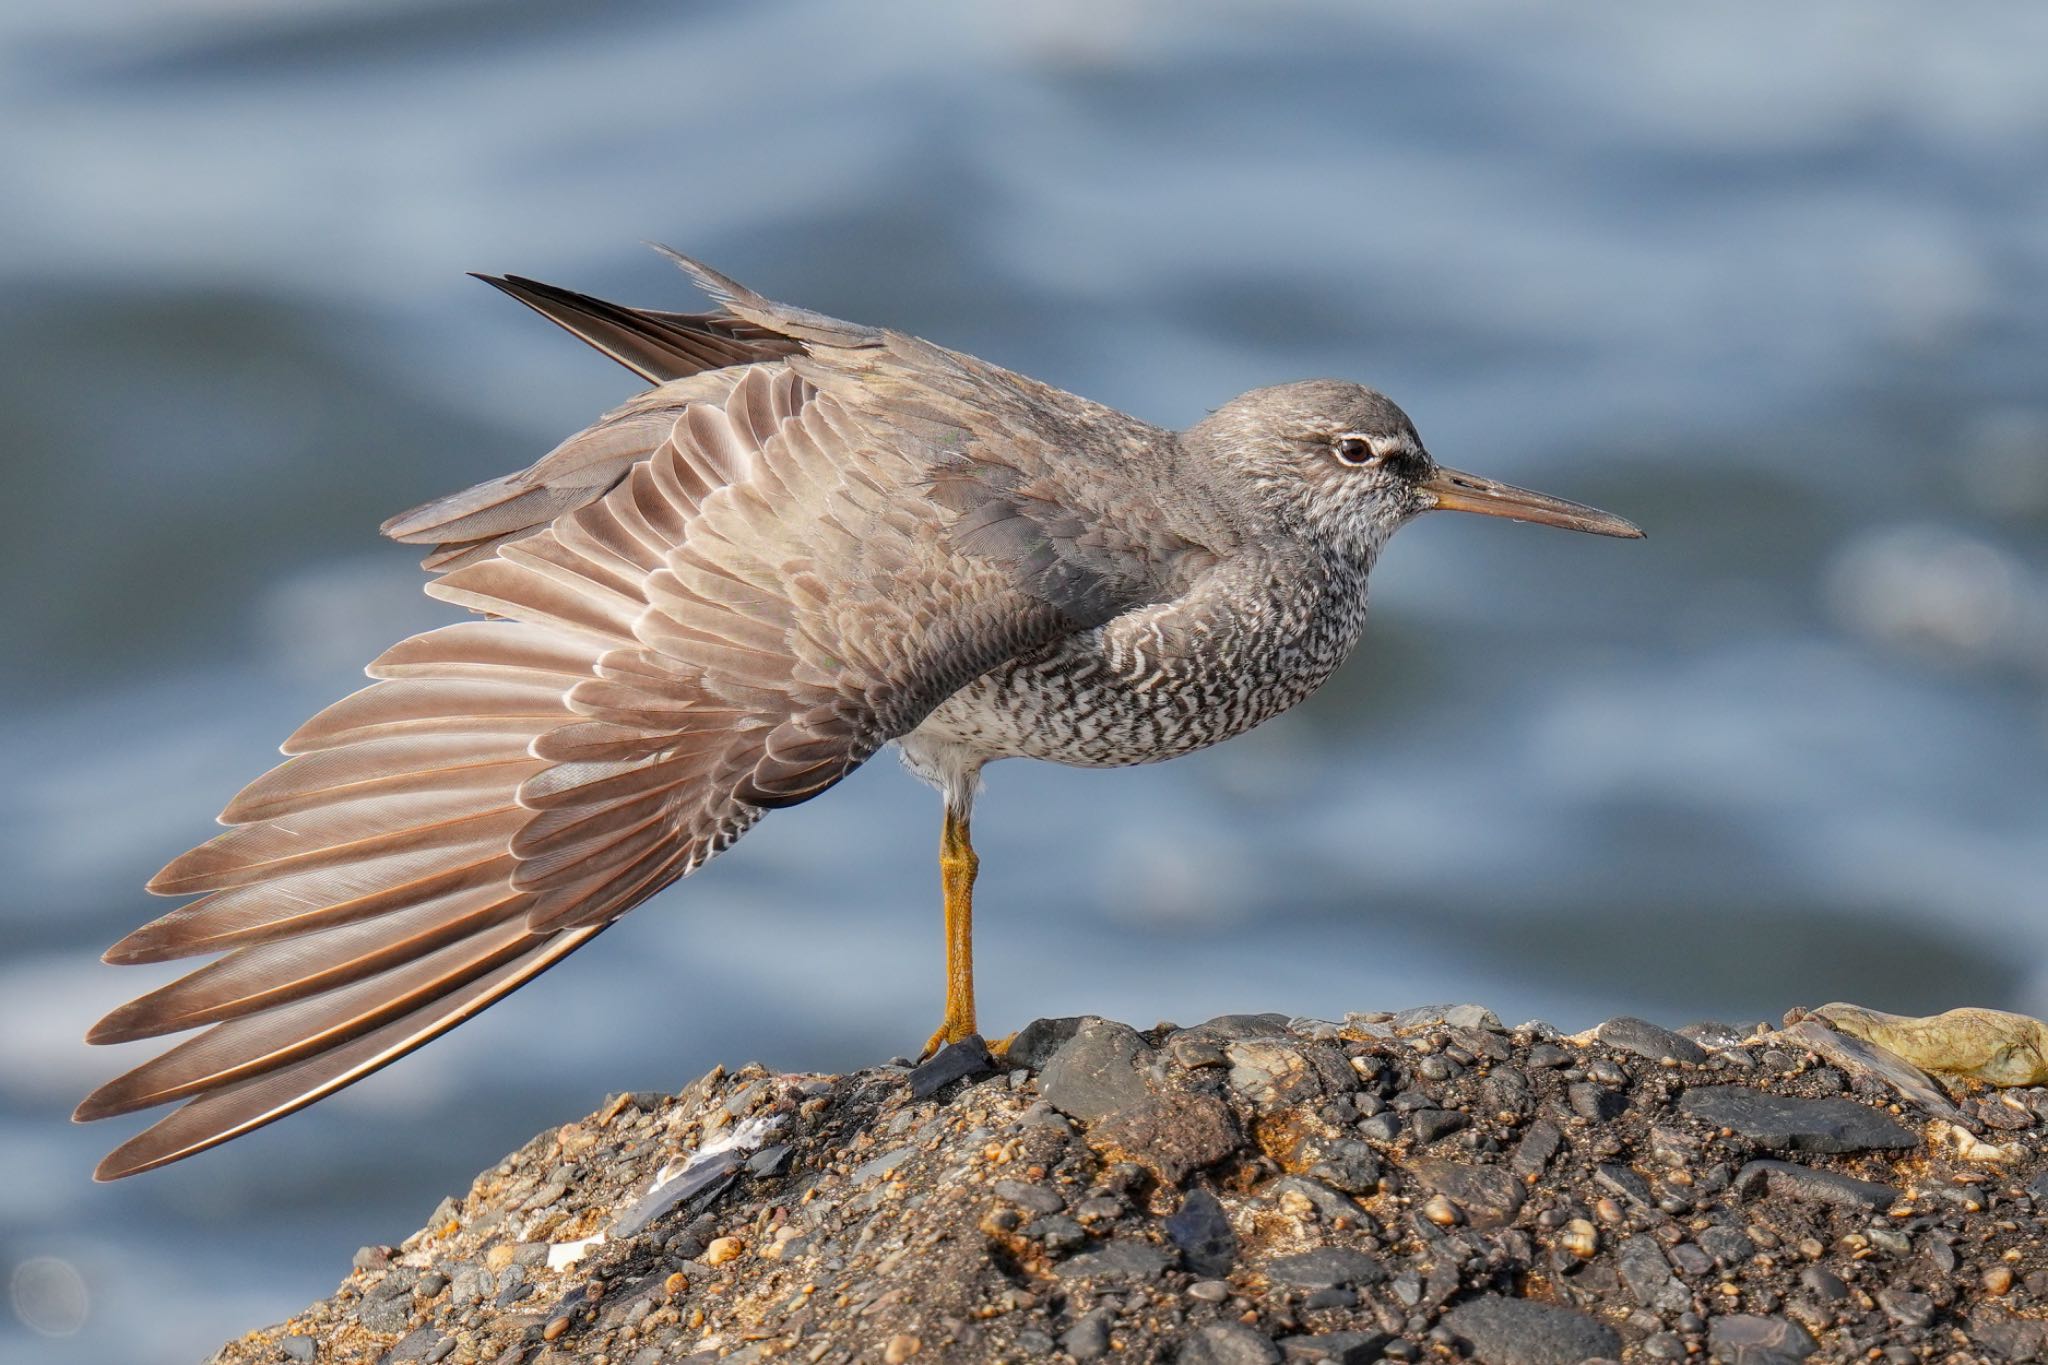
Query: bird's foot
{"type": "Point", "coordinates": [954, 1030]}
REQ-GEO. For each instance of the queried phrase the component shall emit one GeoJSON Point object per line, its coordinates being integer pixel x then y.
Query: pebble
{"type": "Point", "coordinates": [1122, 1258]}
{"type": "Point", "coordinates": [1037, 1198]}
{"type": "Point", "coordinates": [1489, 1195]}
{"type": "Point", "coordinates": [1504, 1331]}
{"type": "Point", "coordinates": [1381, 1127]}
{"type": "Point", "coordinates": [1441, 1211]}
{"type": "Point", "coordinates": [953, 1062]}
{"type": "Point", "coordinates": [1823, 1284]}
{"type": "Point", "coordinates": [1432, 1125]}
{"type": "Point", "coordinates": [1648, 1275]}
{"type": "Point", "coordinates": [1202, 1231]}
{"type": "Point", "coordinates": [1327, 1266]}
{"type": "Point", "coordinates": [1033, 1045]}
{"type": "Point", "coordinates": [1792, 1124]}
{"type": "Point", "coordinates": [1087, 1339]}
{"type": "Point", "coordinates": [900, 1348]}
{"type": "Point", "coordinates": [723, 1249]}
{"type": "Point", "coordinates": [1595, 1103]}
{"type": "Point", "coordinates": [1580, 1238]}
{"type": "Point", "coordinates": [1794, 1181]}
{"type": "Point", "coordinates": [1747, 1339]}
{"type": "Point", "coordinates": [1228, 1343]}
{"type": "Point", "coordinates": [1209, 1291]}
{"type": "Point", "coordinates": [1096, 1072]}
{"type": "Point", "coordinates": [1998, 1280]}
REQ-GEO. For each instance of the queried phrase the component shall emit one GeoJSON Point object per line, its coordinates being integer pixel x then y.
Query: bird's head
{"type": "Point", "coordinates": [1344, 462]}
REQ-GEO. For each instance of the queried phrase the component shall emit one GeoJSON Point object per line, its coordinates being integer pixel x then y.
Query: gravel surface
{"type": "Point", "coordinates": [1427, 1186]}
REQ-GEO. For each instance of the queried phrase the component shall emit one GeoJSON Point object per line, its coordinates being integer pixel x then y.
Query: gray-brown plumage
{"type": "Point", "coordinates": [808, 539]}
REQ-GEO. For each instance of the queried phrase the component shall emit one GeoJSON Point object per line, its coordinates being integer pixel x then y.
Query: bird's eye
{"type": "Point", "coordinates": [1354, 450]}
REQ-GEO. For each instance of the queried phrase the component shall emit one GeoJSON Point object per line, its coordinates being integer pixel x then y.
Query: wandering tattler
{"type": "Point", "coordinates": [808, 539]}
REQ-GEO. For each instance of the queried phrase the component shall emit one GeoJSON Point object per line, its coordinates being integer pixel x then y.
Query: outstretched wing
{"type": "Point", "coordinates": [764, 595]}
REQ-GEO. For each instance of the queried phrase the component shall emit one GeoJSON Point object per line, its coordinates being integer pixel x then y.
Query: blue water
{"type": "Point", "coordinates": [1772, 283]}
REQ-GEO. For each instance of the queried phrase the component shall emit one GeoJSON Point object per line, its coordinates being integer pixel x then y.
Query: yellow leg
{"type": "Point", "coordinates": [957, 866]}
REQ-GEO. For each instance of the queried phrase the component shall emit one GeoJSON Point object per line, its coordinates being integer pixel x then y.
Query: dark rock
{"type": "Point", "coordinates": [1208, 1244]}
{"type": "Point", "coordinates": [1648, 1275]}
{"type": "Point", "coordinates": [1645, 1039]}
{"type": "Point", "coordinates": [953, 1062]}
{"type": "Point", "coordinates": [1503, 1331]}
{"type": "Point", "coordinates": [1595, 1103]}
{"type": "Point", "coordinates": [1349, 1166]}
{"type": "Point", "coordinates": [1088, 1339]}
{"type": "Point", "coordinates": [1538, 1145]}
{"type": "Point", "coordinates": [1550, 1056]}
{"type": "Point", "coordinates": [1472, 1017]}
{"type": "Point", "coordinates": [1171, 1135]}
{"type": "Point", "coordinates": [297, 1347]}
{"type": "Point", "coordinates": [1995, 1330]}
{"type": "Point", "coordinates": [1327, 1266]}
{"type": "Point", "coordinates": [1790, 1124]}
{"type": "Point", "coordinates": [1058, 1233]}
{"type": "Point", "coordinates": [1124, 1258]}
{"type": "Point", "coordinates": [418, 1344]}
{"type": "Point", "coordinates": [1728, 1246]}
{"type": "Point", "coordinates": [1382, 1127]}
{"type": "Point", "coordinates": [1037, 1198]}
{"type": "Point", "coordinates": [1746, 1339]}
{"type": "Point", "coordinates": [1032, 1046]}
{"type": "Point", "coordinates": [1624, 1182]}
{"type": "Point", "coordinates": [1228, 1343]}
{"type": "Point", "coordinates": [1689, 1260]}
{"type": "Point", "coordinates": [1824, 1284]}
{"type": "Point", "coordinates": [1193, 1051]}
{"type": "Point", "coordinates": [1905, 1307]}
{"type": "Point", "coordinates": [2037, 1188]}
{"type": "Point", "coordinates": [1792, 1181]}
{"type": "Point", "coordinates": [1230, 1027]}
{"type": "Point", "coordinates": [1489, 1195]}
{"type": "Point", "coordinates": [1096, 1072]}
{"type": "Point", "coordinates": [1336, 1348]}
{"type": "Point", "coordinates": [1433, 1124]}
{"type": "Point", "coordinates": [1337, 1296]}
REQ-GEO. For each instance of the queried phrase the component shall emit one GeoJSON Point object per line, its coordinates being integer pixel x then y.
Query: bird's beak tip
{"type": "Point", "coordinates": [1452, 490]}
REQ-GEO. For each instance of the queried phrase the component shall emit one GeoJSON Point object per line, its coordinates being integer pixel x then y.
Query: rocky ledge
{"type": "Point", "coordinates": [1427, 1186]}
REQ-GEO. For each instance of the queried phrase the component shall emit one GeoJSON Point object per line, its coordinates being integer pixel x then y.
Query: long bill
{"type": "Point", "coordinates": [1452, 490]}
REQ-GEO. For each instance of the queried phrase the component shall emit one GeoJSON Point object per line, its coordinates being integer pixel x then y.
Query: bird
{"type": "Point", "coordinates": [806, 540]}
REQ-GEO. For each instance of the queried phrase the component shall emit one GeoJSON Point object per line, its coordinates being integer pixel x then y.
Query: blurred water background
{"type": "Point", "coordinates": [1773, 283]}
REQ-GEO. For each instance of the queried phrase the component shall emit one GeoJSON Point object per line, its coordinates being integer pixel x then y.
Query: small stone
{"type": "Point", "coordinates": [1648, 1275]}
{"type": "Point", "coordinates": [1433, 1124]}
{"type": "Point", "coordinates": [1906, 1308]}
{"type": "Point", "coordinates": [555, 1328]}
{"type": "Point", "coordinates": [723, 1249]}
{"type": "Point", "coordinates": [1664, 1346]}
{"type": "Point", "coordinates": [1033, 1045]}
{"type": "Point", "coordinates": [1441, 1211]}
{"type": "Point", "coordinates": [390, 1314]}
{"type": "Point", "coordinates": [1088, 1339]}
{"type": "Point", "coordinates": [1059, 1234]}
{"type": "Point", "coordinates": [1096, 1072]}
{"type": "Point", "coordinates": [900, 1348]}
{"type": "Point", "coordinates": [1998, 1281]}
{"type": "Point", "coordinates": [1505, 1331]}
{"type": "Point", "coordinates": [1202, 1231]}
{"type": "Point", "coordinates": [1336, 1348]}
{"type": "Point", "coordinates": [1037, 1198]}
{"type": "Point", "coordinates": [1209, 1291]}
{"type": "Point", "coordinates": [1746, 1339]}
{"type": "Point", "coordinates": [423, 1344]}
{"type": "Point", "coordinates": [1228, 1343]}
{"type": "Point", "coordinates": [1832, 1123]}
{"type": "Point", "coordinates": [1327, 1266]}
{"type": "Point", "coordinates": [770, 1160]}
{"type": "Point", "coordinates": [1580, 1238]}
{"type": "Point", "coordinates": [1538, 1145]}
{"type": "Point", "coordinates": [953, 1062]}
{"type": "Point", "coordinates": [1624, 1182]}
{"type": "Point", "coordinates": [1728, 1246]}
{"type": "Point", "coordinates": [1122, 1258]}
{"type": "Point", "coordinates": [1823, 1284]}
{"type": "Point", "coordinates": [1381, 1127]}
{"type": "Point", "coordinates": [1595, 1103]}
{"type": "Point", "coordinates": [1472, 1017]}
{"type": "Point", "coordinates": [299, 1348]}
{"type": "Point", "coordinates": [372, 1258]}
{"type": "Point", "coordinates": [1793, 1181]}
{"type": "Point", "coordinates": [1171, 1135]}
{"type": "Point", "coordinates": [1489, 1195]}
